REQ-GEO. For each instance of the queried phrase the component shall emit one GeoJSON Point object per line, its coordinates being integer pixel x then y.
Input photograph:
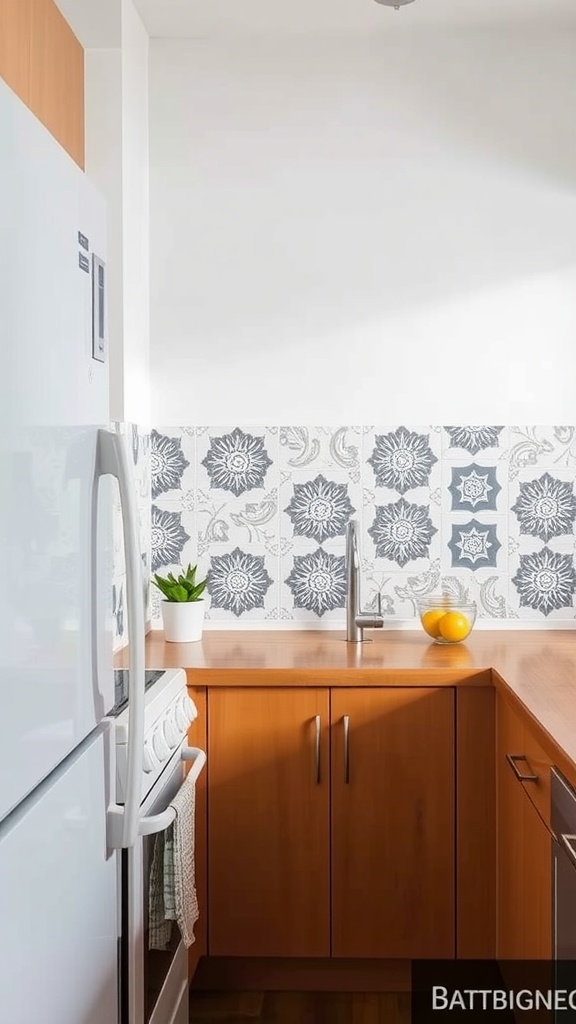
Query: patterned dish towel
{"type": "Point", "coordinates": [172, 887]}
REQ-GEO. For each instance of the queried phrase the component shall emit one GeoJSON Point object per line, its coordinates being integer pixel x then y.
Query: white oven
{"type": "Point", "coordinates": [154, 983]}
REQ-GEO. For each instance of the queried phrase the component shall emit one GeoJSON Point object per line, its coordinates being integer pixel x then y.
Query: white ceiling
{"type": "Point", "coordinates": [96, 23]}
{"type": "Point", "coordinates": [208, 18]}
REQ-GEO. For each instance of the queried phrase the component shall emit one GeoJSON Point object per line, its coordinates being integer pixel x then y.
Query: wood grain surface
{"type": "Point", "coordinates": [535, 668]}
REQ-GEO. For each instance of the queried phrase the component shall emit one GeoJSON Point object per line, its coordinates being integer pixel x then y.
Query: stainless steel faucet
{"type": "Point", "coordinates": [356, 620]}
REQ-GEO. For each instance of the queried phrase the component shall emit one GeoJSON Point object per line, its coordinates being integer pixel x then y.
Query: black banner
{"type": "Point", "coordinates": [505, 991]}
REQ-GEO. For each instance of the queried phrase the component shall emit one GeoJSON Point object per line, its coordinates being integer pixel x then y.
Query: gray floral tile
{"type": "Point", "coordinates": [400, 532]}
{"type": "Point", "coordinates": [479, 443]}
{"type": "Point", "coordinates": [542, 584]}
{"type": "Point", "coordinates": [172, 466]}
{"type": "Point", "coordinates": [546, 447]}
{"type": "Point", "coordinates": [472, 487]}
{"type": "Point", "coordinates": [401, 460]}
{"type": "Point", "coordinates": [236, 460]}
{"type": "Point", "coordinates": [317, 449]}
{"type": "Point", "coordinates": [318, 507]}
{"type": "Point", "coordinates": [173, 538]}
{"type": "Point", "coordinates": [242, 584]}
{"type": "Point", "coordinates": [237, 487]}
{"type": "Point", "coordinates": [542, 507]}
{"type": "Point", "coordinates": [474, 542]}
{"type": "Point", "coordinates": [313, 585]}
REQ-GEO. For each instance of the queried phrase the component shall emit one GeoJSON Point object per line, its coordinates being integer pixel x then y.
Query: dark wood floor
{"type": "Point", "coordinates": [299, 1008]}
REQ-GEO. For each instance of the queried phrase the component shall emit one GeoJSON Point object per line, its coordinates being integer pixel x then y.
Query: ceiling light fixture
{"type": "Point", "coordinates": [396, 4]}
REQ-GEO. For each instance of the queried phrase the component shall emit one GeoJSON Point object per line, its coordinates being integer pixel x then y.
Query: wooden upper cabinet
{"type": "Point", "coordinates": [15, 29]}
{"type": "Point", "coordinates": [393, 791]}
{"type": "Point", "coordinates": [57, 77]}
{"type": "Point", "coordinates": [524, 853]}
{"type": "Point", "coordinates": [43, 62]}
{"type": "Point", "coordinates": [268, 822]}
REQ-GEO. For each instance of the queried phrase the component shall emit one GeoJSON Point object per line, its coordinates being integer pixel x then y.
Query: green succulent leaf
{"type": "Point", "coordinates": [183, 588]}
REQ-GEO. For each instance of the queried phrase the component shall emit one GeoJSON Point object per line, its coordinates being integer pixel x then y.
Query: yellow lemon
{"type": "Point", "coordinates": [453, 626]}
{"type": "Point", "coordinates": [431, 619]}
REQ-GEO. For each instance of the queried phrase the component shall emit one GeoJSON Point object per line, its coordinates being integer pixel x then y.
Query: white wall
{"type": "Point", "coordinates": [117, 162]}
{"type": "Point", "coordinates": [103, 118]}
{"type": "Point", "coordinates": [135, 216]}
{"type": "Point", "coordinates": [361, 230]}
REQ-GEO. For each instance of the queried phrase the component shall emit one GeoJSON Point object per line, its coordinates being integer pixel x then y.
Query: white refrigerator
{"type": "Point", "coordinates": [59, 828]}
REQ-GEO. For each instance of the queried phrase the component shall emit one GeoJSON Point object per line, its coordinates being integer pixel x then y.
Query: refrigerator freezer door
{"type": "Point", "coordinates": [54, 685]}
{"type": "Point", "coordinates": [58, 892]}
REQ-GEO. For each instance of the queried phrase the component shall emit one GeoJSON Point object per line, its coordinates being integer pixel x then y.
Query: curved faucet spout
{"type": "Point", "coordinates": [356, 620]}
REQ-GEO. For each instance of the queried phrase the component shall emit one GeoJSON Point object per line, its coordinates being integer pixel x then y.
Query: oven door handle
{"type": "Point", "coordinates": [150, 824]}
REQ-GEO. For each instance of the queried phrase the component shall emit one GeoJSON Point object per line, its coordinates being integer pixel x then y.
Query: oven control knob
{"type": "Point", "coordinates": [171, 734]}
{"type": "Point", "coordinates": [149, 759]}
{"type": "Point", "coordinates": [160, 747]}
{"type": "Point", "coordinates": [190, 709]}
{"type": "Point", "coordinates": [181, 715]}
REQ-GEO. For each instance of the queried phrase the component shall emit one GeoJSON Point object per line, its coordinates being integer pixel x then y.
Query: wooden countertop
{"type": "Point", "coordinates": [535, 668]}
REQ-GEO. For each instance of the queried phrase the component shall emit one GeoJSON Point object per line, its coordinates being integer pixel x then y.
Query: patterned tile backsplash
{"type": "Point", "coordinates": [485, 513]}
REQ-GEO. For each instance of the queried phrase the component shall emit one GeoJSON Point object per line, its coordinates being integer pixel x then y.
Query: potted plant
{"type": "Point", "coordinates": [183, 605]}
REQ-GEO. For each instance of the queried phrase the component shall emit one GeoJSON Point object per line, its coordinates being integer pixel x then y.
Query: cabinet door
{"type": "Point", "coordinates": [393, 822]}
{"type": "Point", "coordinates": [57, 77]}
{"type": "Point", "coordinates": [268, 822]}
{"type": "Point", "coordinates": [15, 21]}
{"type": "Point", "coordinates": [524, 902]}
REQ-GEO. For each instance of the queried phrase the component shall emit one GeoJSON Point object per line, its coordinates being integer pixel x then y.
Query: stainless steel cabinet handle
{"type": "Point", "coordinates": [318, 726]}
{"type": "Point", "coordinates": [527, 776]}
{"type": "Point", "coordinates": [346, 721]}
{"type": "Point", "coordinates": [567, 842]}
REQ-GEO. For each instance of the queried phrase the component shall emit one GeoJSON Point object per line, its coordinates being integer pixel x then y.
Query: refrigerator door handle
{"type": "Point", "coordinates": [111, 459]}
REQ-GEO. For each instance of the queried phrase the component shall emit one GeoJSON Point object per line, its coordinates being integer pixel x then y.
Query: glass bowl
{"type": "Point", "coordinates": [445, 619]}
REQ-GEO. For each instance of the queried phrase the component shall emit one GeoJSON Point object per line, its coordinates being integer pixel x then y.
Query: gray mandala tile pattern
{"type": "Point", "coordinates": [473, 439]}
{"type": "Point", "coordinates": [237, 462]}
{"type": "Point", "coordinates": [318, 581]}
{"type": "Point", "coordinates": [474, 545]}
{"type": "Point", "coordinates": [167, 463]}
{"type": "Point", "coordinates": [402, 460]}
{"type": "Point", "coordinates": [238, 581]}
{"type": "Point", "coordinates": [319, 509]}
{"type": "Point", "coordinates": [402, 531]}
{"type": "Point", "coordinates": [266, 508]}
{"type": "Point", "coordinates": [546, 507]}
{"type": "Point", "coordinates": [474, 487]}
{"type": "Point", "coordinates": [545, 581]}
{"type": "Point", "coordinates": [168, 538]}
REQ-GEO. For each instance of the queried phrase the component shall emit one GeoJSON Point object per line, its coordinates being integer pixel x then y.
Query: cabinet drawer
{"type": "Point", "coordinates": [539, 764]}
{"type": "Point", "coordinates": [526, 758]}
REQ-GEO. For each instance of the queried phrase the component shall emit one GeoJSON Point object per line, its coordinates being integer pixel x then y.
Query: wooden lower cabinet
{"type": "Point", "coordinates": [268, 822]}
{"type": "Point", "coordinates": [524, 851]}
{"type": "Point", "coordinates": [309, 861]}
{"type": "Point", "coordinates": [393, 822]}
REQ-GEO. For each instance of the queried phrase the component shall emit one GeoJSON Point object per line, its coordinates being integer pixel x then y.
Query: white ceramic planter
{"type": "Point", "coordinates": [183, 621]}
